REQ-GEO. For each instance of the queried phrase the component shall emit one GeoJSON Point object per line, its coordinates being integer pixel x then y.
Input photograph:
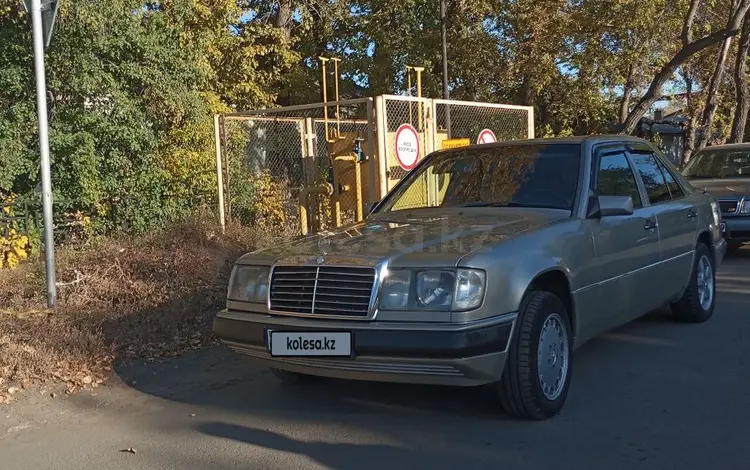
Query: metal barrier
{"type": "Point", "coordinates": [313, 167]}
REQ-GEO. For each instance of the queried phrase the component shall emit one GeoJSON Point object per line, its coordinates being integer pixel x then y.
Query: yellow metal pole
{"type": "Point", "coordinates": [358, 190]}
{"type": "Point", "coordinates": [419, 71]}
{"type": "Point", "coordinates": [408, 91]}
{"type": "Point", "coordinates": [338, 111]}
{"type": "Point", "coordinates": [323, 61]}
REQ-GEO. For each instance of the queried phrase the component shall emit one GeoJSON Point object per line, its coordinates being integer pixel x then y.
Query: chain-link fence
{"type": "Point", "coordinates": [312, 167]}
{"type": "Point", "coordinates": [462, 119]}
{"type": "Point", "coordinates": [302, 167]}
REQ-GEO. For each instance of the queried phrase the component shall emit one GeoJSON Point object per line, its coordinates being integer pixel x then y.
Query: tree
{"type": "Point", "coordinates": [666, 72]}
{"type": "Point", "coordinates": [742, 98]}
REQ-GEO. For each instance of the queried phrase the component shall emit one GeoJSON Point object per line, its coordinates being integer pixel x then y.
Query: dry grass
{"type": "Point", "coordinates": [118, 298]}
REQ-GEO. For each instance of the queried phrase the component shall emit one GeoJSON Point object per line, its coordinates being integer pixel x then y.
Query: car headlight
{"type": "Point", "coordinates": [433, 290]}
{"type": "Point", "coordinates": [716, 212]}
{"type": "Point", "coordinates": [396, 289]}
{"type": "Point", "coordinates": [745, 207]}
{"type": "Point", "coordinates": [469, 289]}
{"type": "Point", "coordinates": [249, 284]}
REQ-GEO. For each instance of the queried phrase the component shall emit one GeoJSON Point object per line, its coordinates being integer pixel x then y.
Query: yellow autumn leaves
{"type": "Point", "coordinates": [14, 246]}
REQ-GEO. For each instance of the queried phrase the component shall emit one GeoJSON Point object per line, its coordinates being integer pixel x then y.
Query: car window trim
{"type": "Point", "coordinates": [612, 149]}
{"type": "Point", "coordinates": [643, 147]}
{"type": "Point", "coordinates": [663, 168]}
{"type": "Point", "coordinates": [661, 163]}
{"type": "Point", "coordinates": [631, 154]}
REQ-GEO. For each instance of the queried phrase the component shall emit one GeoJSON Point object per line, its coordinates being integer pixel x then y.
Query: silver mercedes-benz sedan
{"type": "Point", "coordinates": [485, 265]}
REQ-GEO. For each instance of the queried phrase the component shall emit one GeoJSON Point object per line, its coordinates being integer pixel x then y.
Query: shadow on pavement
{"type": "Point", "coordinates": [345, 456]}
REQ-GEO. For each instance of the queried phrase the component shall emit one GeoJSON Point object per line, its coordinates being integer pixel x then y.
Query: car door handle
{"type": "Point", "coordinates": [691, 214]}
{"type": "Point", "coordinates": [650, 224]}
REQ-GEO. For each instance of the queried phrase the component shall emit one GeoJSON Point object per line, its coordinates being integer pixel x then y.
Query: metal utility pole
{"type": "Point", "coordinates": [42, 32]}
{"type": "Point", "coordinates": [446, 92]}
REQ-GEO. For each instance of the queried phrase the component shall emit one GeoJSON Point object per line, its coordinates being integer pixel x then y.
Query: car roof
{"type": "Point", "coordinates": [740, 146]}
{"type": "Point", "coordinates": [580, 140]}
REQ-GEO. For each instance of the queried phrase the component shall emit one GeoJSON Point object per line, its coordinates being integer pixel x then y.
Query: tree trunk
{"type": "Point", "coordinates": [283, 19]}
{"type": "Point", "coordinates": [689, 146]}
{"type": "Point", "coordinates": [627, 94]}
{"type": "Point", "coordinates": [740, 85]}
{"type": "Point", "coordinates": [686, 52]}
{"type": "Point", "coordinates": [712, 95]}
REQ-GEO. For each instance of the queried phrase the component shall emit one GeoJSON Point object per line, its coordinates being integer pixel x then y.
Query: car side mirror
{"type": "Point", "coordinates": [609, 206]}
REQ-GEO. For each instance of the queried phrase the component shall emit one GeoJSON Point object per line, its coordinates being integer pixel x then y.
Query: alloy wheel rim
{"type": "Point", "coordinates": [553, 357]}
{"type": "Point", "coordinates": [705, 281]}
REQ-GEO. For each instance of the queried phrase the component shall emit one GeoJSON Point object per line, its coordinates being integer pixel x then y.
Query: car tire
{"type": "Point", "coordinates": [293, 378]}
{"type": "Point", "coordinates": [694, 307]}
{"type": "Point", "coordinates": [543, 321]}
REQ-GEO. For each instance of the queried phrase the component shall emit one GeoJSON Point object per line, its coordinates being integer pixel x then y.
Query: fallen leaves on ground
{"type": "Point", "coordinates": [137, 298]}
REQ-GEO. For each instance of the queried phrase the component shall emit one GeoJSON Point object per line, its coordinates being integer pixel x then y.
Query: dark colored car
{"type": "Point", "coordinates": [724, 171]}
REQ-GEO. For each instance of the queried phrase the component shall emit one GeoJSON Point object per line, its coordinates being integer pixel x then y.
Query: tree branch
{"type": "Point", "coordinates": [686, 52]}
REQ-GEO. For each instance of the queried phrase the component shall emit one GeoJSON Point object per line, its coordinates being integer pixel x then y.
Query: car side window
{"type": "Point", "coordinates": [653, 179]}
{"type": "Point", "coordinates": [674, 187]}
{"type": "Point", "coordinates": [616, 178]}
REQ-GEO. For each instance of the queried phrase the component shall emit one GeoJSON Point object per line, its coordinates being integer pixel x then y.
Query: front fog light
{"type": "Point", "coordinates": [435, 289]}
{"type": "Point", "coordinates": [469, 289]}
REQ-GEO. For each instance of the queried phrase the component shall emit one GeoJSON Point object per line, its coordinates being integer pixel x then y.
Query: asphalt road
{"type": "Point", "coordinates": [652, 395]}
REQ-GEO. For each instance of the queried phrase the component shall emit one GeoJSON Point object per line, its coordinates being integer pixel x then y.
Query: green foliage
{"type": "Point", "coordinates": [133, 86]}
{"type": "Point", "coordinates": [132, 89]}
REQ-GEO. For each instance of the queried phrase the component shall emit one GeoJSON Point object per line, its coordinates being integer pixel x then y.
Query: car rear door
{"type": "Point", "coordinates": [626, 247]}
{"type": "Point", "coordinates": [676, 217]}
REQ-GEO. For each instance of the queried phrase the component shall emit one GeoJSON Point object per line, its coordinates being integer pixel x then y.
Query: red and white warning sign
{"type": "Point", "coordinates": [407, 146]}
{"type": "Point", "coordinates": [486, 137]}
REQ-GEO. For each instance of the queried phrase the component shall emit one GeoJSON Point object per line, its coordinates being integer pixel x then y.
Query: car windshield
{"type": "Point", "coordinates": [726, 163]}
{"type": "Point", "coordinates": [543, 176]}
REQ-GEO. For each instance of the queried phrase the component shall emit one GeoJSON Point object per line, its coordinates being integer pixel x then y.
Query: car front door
{"type": "Point", "coordinates": [677, 220]}
{"type": "Point", "coordinates": [626, 247]}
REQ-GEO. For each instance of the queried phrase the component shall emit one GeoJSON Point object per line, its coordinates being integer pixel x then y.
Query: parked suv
{"type": "Point", "coordinates": [724, 171]}
{"type": "Point", "coordinates": [486, 264]}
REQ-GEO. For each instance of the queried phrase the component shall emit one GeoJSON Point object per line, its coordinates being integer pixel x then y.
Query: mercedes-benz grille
{"type": "Point", "coordinates": [322, 290]}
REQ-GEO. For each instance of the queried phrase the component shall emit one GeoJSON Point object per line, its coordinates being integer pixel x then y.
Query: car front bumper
{"type": "Point", "coordinates": [466, 354]}
{"type": "Point", "coordinates": [737, 229]}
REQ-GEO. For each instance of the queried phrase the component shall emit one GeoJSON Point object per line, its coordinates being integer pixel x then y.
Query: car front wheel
{"type": "Point", "coordinates": [537, 373]}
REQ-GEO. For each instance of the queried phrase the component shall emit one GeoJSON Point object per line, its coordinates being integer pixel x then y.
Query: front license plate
{"type": "Point", "coordinates": [300, 343]}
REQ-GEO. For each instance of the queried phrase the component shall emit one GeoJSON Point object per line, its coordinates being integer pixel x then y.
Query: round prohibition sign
{"type": "Point", "coordinates": [407, 146]}
{"type": "Point", "coordinates": [486, 137]}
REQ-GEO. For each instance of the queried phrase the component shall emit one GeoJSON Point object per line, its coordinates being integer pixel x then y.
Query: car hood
{"type": "Point", "coordinates": [426, 238]}
{"type": "Point", "coordinates": [723, 187]}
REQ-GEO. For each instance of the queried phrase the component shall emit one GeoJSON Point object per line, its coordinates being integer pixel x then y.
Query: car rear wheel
{"type": "Point", "coordinates": [293, 377]}
{"type": "Point", "coordinates": [537, 373]}
{"type": "Point", "coordinates": [697, 302]}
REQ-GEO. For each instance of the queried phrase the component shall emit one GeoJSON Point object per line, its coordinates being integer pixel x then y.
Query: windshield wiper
{"type": "Point", "coordinates": [511, 204]}
{"type": "Point", "coordinates": [493, 204]}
